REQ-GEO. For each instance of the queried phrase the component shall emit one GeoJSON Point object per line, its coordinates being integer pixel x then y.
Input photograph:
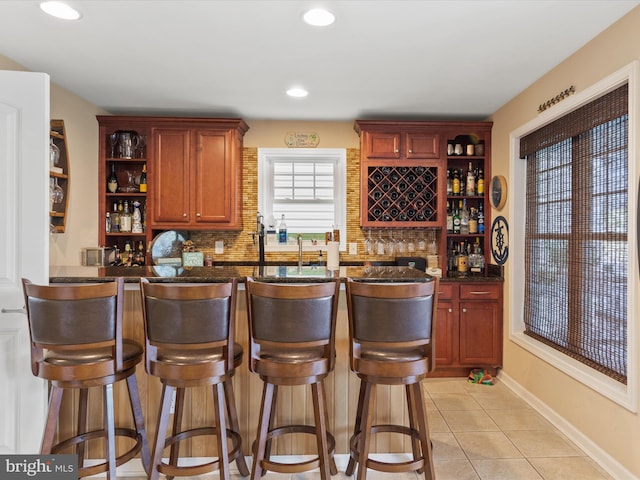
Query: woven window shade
{"type": "Point", "coordinates": [576, 250]}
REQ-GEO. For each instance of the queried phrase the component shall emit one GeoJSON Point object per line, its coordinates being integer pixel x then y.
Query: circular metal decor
{"type": "Point", "coordinates": [500, 240]}
{"type": "Point", "coordinates": [166, 248]}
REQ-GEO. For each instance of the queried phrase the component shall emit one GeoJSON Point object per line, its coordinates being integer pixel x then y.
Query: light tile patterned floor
{"type": "Point", "coordinates": [482, 432]}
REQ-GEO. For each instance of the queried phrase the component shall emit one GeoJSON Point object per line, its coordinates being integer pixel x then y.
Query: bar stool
{"type": "Point", "coordinates": [391, 343]}
{"type": "Point", "coordinates": [292, 341]}
{"type": "Point", "coordinates": [76, 344]}
{"type": "Point", "coordinates": [189, 336]}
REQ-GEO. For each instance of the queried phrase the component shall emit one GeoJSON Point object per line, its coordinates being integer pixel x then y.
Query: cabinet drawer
{"type": "Point", "coordinates": [445, 291]}
{"type": "Point", "coordinates": [480, 291]}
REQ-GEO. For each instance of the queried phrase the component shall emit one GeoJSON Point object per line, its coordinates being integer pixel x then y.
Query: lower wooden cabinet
{"type": "Point", "coordinates": [468, 331]}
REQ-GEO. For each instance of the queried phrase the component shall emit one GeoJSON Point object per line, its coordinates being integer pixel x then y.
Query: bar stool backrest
{"type": "Point", "coordinates": [194, 316]}
{"type": "Point", "coordinates": [75, 319]}
{"type": "Point", "coordinates": [293, 315]}
{"type": "Point", "coordinates": [392, 315]}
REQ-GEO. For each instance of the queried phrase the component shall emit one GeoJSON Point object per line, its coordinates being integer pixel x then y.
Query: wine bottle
{"type": "Point", "coordinates": [282, 231]}
{"type": "Point", "coordinates": [125, 218]}
{"type": "Point", "coordinates": [112, 181]}
{"type": "Point", "coordinates": [143, 179]}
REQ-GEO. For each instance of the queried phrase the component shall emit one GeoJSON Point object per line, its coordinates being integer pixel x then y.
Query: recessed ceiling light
{"type": "Point", "coordinates": [318, 17]}
{"type": "Point", "coordinates": [60, 10]}
{"type": "Point", "coordinates": [297, 92]}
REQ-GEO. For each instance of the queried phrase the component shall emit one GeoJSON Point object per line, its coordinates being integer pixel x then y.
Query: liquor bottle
{"type": "Point", "coordinates": [480, 182]}
{"type": "Point", "coordinates": [480, 219]}
{"type": "Point", "coordinates": [128, 254]}
{"type": "Point", "coordinates": [139, 256]}
{"type": "Point", "coordinates": [282, 231]}
{"type": "Point", "coordinates": [125, 218]}
{"type": "Point", "coordinates": [143, 179]}
{"type": "Point", "coordinates": [118, 260]}
{"type": "Point", "coordinates": [464, 218]}
{"type": "Point", "coordinates": [115, 219]}
{"type": "Point", "coordinates": [476, 259]}
{"type": "Point", "coordinates": [112, 181]}
{"type": "Point", "coordinates": [473, 220]}
{"type": "Point", "coordinates": [463, 178]}
{"type": "Point", "coordinates": [107, 226]}
{"type": "Point", "coordinates": [449, 183]}
{"type": "Point", "coordinates": [455, 183]}
{"type": "Point", "coordinates": [463, 260]}
{"type": "Point", "coordinates": [449, 219]}
{"type": "Point", "coordinates": [456, 219]}
{"type": "Point", "coordinates": [471, 181]}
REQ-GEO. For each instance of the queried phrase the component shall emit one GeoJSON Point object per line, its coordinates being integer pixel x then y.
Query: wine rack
{"type": "Point", "coordinates": [59, 179]}
{"type": "Point", "coordinates": [404, 194]}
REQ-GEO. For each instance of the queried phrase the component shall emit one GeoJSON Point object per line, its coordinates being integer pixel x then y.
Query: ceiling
{"type": "Point", "coordinates": [413, 59]}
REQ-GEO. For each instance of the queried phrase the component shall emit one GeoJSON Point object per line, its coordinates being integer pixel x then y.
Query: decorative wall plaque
{"type": "Point", "coordinates": [301, 139]}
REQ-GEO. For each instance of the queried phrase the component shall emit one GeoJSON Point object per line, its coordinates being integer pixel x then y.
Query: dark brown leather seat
{"type": "Point", "coordinates": [292, 340]}
{"type": "Point", "coordinates": [189, 335]}
{"type": "Point", "coordinates": [76, 343]}
{"type": "Point", "coordinates": [391, 343]}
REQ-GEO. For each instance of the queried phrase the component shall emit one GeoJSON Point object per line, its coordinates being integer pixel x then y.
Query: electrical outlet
{"type": "Point", "coordinates": [353, 248]}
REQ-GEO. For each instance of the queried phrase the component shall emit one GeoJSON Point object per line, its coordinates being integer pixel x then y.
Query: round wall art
{"type": "Point", "coordinates": [500, 240]}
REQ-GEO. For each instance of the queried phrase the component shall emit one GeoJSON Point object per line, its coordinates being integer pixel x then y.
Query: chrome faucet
{"type": "Point", "coordinates": [299, 252]}
{"type": "Point", "coordinates": [260, 234]}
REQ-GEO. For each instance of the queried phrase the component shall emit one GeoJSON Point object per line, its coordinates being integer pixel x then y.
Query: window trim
{"type": "Point", "coordinates": [624, 395]}
{"type": "Point", "coordinates": [340, 185]}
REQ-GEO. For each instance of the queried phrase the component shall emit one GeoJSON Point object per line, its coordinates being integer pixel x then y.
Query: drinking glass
{"type": "Point", "coordinates": [58, 194]}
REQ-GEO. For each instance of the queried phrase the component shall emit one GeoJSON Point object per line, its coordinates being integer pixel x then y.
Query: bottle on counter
{"type": "Point", "coordinates": [282, 231]}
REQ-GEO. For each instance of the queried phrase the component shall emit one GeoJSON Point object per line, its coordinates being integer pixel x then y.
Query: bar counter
{"type": "Point", "coordinates": [295, 403]}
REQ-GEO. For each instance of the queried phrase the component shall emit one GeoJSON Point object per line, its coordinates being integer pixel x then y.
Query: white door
{"type": "Point", "coordinates": [24, 250]}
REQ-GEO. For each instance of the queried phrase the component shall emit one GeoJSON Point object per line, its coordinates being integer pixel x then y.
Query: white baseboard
{"type": "Point", "coordinates": [606, 461]}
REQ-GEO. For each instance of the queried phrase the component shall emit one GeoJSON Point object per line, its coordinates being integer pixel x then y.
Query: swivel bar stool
{"type": "Point", "coordinates": [391, 343]}
{"type": "Point", "coordinates": [189, 336]}
{"type": "Point", "coordinates": [292, 341]}
{"type": "Point", "coordinates": [76, 344]}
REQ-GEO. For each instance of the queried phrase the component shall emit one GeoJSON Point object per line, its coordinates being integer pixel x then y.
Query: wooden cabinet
{"type": "Point", "coordinates": [194, 169]}
{"type": "Point", "coordinates": [197, 176]}
{"type": "Point", "coordinates": [59, 175]}
{"type": "Point", "coordinates": [404, 181]}
{"type": "Point", "coordinates": [468, 327]}
{"type": "Point", "coordinates": [400, 174]}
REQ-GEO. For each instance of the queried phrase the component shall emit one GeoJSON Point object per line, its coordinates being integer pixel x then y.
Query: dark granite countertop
{"type": "Point", "coordinates": [270, 272]}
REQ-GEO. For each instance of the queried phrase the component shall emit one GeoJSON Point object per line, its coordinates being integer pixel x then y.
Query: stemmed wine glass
{"type": "Point", "coordinates": [57, 194]}
{"type": "Point", "coordinates": [113, 140]}
{"type": "Point", "coordinates": [369, 244]}
{"type": "Point", "coordinates": [411, 245]}
{"type": "Point", "coordinates": [380, 244]}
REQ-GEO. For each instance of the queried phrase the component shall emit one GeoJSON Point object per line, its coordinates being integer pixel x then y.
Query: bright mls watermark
{"type": "Point", "coordinates": [49, 467]}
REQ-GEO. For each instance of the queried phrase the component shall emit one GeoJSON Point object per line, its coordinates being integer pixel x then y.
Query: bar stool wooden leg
{"type": "Point", "coordinates": [230, 400]}
{"type": "Point", "coordinates": [351, 466]}
{"type": "Point", "coordinates": [333, 468]}
{"type": "Point", "coordinates": [221, 429]}
{"type": "Point", "coordinates": [415, 442]}
{"type": "Point", "coordinates": [364, 444]}
{"type": "Point", "coordinates": [110, 442]}
{"type": "Point", "coordinates": [82, 423]}
{"type": "Point", "coordinates": [174, 453]}
{"type": "Point", "coordinates": [138, 418]}
{"type": "Point", "coordinates": [263, 430]}
{"type": "Point", "coordinates": [163, 423]}
{"type": "Point", "coordinates": [423, 429]}
{"type": "Point", "coordinates": [319, 406]}
{"type": "Point", "coordinates": [55, 401]}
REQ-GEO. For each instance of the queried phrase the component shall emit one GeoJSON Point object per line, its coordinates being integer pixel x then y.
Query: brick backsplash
{"type": "Point", "coordinates": [239, 246]}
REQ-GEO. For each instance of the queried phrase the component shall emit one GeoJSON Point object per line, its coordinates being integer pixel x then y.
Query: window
{"type": "Point", "coordinates": [307, 185]}
{"type": "Point", "coordinates": [574, 276]}
{"type": "Point", "coordinates": [576, 234]}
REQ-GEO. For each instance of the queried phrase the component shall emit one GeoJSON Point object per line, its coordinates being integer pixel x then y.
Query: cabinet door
{"type": "Point", "coordinates": [171, 176]}
{"type": "Point", "coordinates": [214, 177]}
{"type": "Point", "coordinates": [444, 333]}
{"type": "Point", "coordinates": [480, 333]}
{"type": "Point", "coordinates": [382, 144]}
{"type": "Point", "coordinates": [422, 145]}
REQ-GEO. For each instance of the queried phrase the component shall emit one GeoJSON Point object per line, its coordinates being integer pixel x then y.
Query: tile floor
{"type": "Point", "coordinates": [482, 432]}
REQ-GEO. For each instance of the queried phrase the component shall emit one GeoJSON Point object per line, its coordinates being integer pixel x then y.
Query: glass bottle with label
{"type": "Point", "coordinates": [473, 220]}
{"type": "Point", "coordinates": [282, 231]}
{"type": "Point", "coordinates": [471, 181]}
{"type": "Point", "coordinates": [143, 179]}
{"type": "Point", "coordinates": [480, 218]}
{"type": "Point", "coordinates": [125, 218]}
{"type": "Point", "coordinates": [464, 218]}
{"type": "Point", "coordinates": [480, 182]}
{"type": "Point", "coordinates": [449, 219]}
{"type": "Point", "coordinates": [112, 181]}
{"type": "Point", "coordinates": [115, 218]}
{"type": "Point", "coordinates": [456, 219]}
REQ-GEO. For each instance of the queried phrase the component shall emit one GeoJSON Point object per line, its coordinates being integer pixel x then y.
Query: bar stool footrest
{"type": "Point", "coordinates": [389, 467]}
{"type": "Point", "coordinates": [298, 467]}
{"type": "Point", "coordinates": [94, 434]}
{"type": "Point", "coordinates": [193, 470]}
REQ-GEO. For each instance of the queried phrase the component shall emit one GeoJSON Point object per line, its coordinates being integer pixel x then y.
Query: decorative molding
{"type": "Point", "coordinates": [557, 99]}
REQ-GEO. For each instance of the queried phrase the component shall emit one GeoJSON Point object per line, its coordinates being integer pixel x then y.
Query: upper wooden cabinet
{"type": "Point", "coordinates": [392, 142]}
{"type": "Point", "coordinates": [196, 175]}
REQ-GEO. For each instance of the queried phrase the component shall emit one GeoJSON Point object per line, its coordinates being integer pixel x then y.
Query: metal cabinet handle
{"type": "Point", "coordinates": [464, 310]}
{"type": "Point", "coordinates": [14, 310]}
{"type": "Point", "coordinates": [479, 293]}
{"type": "Point", "coordinates": [184, 214]}
{"type": "Point", "coordinates": [198, 215]}
{"type": "Point", "coordinates": [410, 151]}
{"type": "Point", "coordinates": [451, 310]}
